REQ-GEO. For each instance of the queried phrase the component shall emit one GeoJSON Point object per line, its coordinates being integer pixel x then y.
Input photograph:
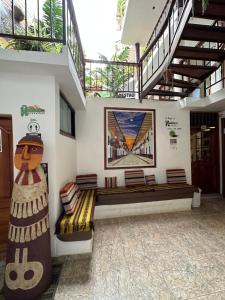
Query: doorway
{"type": "Point", "coordinates": [6, 177]}
{"type": "Point", "coordinates": [205, 152]}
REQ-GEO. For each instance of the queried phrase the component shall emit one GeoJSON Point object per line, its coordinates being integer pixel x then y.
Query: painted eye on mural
{"type": "Point", "coordinates": [19, 149]}
{"type": "Point", "coordinates": [34, 149]}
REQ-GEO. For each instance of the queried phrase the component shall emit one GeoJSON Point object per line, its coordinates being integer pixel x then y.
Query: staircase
{"type": "Point", "coordinates": [185, 52]}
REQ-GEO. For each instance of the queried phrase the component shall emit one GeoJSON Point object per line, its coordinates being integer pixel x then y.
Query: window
{"type": "Point", "coordinates": [67, 118]}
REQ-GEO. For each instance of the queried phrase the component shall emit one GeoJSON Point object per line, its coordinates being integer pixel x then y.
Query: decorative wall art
{"type": "Point", "coordinates": [28, 258]}
{"type": "Point", "coordinates": [129, 138]}
{"type": "Point", "coordinates": [31, 110]}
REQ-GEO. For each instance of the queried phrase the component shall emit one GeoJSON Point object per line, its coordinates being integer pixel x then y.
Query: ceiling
{"type": "Point", "coordinates": [140, 20]}
{"type": "Point", "coordinates": [213, 103]}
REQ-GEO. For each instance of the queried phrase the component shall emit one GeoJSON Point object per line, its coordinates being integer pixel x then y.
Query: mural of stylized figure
{"type": "Point", "coordinates": [28, 259]}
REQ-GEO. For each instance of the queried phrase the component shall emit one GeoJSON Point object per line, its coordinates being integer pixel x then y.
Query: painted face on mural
{"type": "Point", "coordinates": [29, 152]}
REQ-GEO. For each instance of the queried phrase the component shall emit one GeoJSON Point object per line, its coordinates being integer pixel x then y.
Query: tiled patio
{"type": "Point", "coordinates": [167, 256]}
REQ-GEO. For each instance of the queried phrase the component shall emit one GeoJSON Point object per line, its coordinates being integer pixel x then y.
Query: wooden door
{"type": "Point", "coordinates": [205, 159]}
{"type": "Point", "coordinates": [6, 177]}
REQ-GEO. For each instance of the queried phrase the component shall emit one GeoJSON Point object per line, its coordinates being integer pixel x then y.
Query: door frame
{"type": "Point", "coordinates": [9, 117]}
{"type": "Point", "coordinates": [215, 121]}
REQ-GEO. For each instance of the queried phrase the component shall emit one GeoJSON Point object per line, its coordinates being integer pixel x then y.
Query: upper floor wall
{"type": "Point", "coordinates": [60, 66]}
{"type": "Point", "coordinates": [46, 35]}
{"type": "Point", "coordinates": [140, 20]}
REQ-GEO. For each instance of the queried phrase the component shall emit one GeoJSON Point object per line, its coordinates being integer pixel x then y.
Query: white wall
{"type": "Point", "coordinates": [90, 139]}
{"type": "Point", "coordinates": [66, 167]}
{"type": "Point", "coordinates": [33, 90]}
{"type": "Point", "coordinates": [59, 151]}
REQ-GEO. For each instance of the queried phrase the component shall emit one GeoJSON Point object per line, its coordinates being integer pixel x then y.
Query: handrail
{"type": "Point", "coordinates": [74, 20]}
{"type": "Point", "coordinates": [207, 88]}
{"type": "Point", "coordinates": [150, 43]}
{"type": "Point", "coordinates": [168, 3]}
{"type": "Point", "coordinates": [122, 77]}
{"type": "Point", "coordinates": [111, 62]}
{"type": "Point", "coordinates": [73, 40]}
{"type": "Point", "coordinates": [37, 34]}
{"type": "Point", "coordinates": [111, 78]}
{"type": "Point", "coordinates": [160, 47]}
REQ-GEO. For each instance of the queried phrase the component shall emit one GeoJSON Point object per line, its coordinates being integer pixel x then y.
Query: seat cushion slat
{"type": "Point", "coordinates": [82, 218]}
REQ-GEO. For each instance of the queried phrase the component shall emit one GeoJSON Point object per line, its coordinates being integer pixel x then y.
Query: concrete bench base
{"type": "Point", "coordinates": [135, 209]}
{"type": "Point", "coordinates": [74, 247]}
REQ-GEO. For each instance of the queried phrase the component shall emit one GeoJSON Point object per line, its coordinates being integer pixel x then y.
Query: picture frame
{"type": "Point", "coordinates": [129, 138]}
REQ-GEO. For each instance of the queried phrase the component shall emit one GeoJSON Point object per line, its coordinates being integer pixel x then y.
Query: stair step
{"type": "Point", "coordinates": [199, 53]}
{"type": "Point", "coordinates": [193, 71]}
{"type": "Point", "coordinates": [179, 83]}
{"type": "Point", "coordinates": [203, 33]}
{"type": "Point", "coordinates": [166, 93]}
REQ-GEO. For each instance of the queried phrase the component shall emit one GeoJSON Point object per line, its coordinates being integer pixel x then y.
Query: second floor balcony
{"type": "Point", "coordinates": [162, 73]}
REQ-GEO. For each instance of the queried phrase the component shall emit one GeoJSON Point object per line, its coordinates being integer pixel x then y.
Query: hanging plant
{"type": "Point", "coordinates": [205, 4]}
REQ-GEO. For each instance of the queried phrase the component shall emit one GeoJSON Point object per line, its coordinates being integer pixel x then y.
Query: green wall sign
{"type": "Point", "coordinates": [31, 110]}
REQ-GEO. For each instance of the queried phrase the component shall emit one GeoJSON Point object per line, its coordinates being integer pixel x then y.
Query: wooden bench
{"type": "Point", "coordinates": [77, 229]}
{"type": "Point", "coordinates": [127, 195]}
{"type": "Point", "coordinates": [127, 201]}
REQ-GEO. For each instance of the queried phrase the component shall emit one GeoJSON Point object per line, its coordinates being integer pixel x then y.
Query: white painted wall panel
{"type": "Point", "coordinates": [90, 139]}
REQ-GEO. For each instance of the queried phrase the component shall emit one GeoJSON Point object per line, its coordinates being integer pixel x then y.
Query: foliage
{"type": "Point", "coordinates": [52, 19]}
{"type": "Point", "coordinates": [110, 79]}
{"type": "Point", "coordinates": [121, 5]}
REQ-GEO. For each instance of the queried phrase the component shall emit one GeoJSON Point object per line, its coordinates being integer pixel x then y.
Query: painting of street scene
{"type": "Point", "coordinates": [129, 138]}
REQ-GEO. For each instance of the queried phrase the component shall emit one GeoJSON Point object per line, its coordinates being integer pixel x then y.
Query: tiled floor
{"type": "Point", "coordinates": [159, 257]}
{"type": "Point", "coordinates": [167, 256]}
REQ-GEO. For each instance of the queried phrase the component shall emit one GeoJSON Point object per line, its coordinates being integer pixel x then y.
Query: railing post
{"type": "Point", "coordinates": [169, 34]}
{"type": "Point", "coordinates": [64, 21]}
{"type": "Point", "coordinates": [12, 7]}
{"type": "Point", "coordinates": [140, 82]}
{"type": "Point", "coordinates": [139, 74]}
{"type": "Point", "coordinates": [137, 47]}
{"type": "Point", "coordinates": [205, 89]}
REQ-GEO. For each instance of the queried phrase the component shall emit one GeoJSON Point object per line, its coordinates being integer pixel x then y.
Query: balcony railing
{"type": "Point", "coordinates": [215, 82]}
{"type": "Point", "coordinates": [161, 41]}
{"type": "Point", "coordinates": [41, 25]}
{"type": "Point", "coordinates": [111, 79]}
{"type": "Point", "coordinates": [47, 25]}
{"type": "Point", "coordinates": [160, 24]}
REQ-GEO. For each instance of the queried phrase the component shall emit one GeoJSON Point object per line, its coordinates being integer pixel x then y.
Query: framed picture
{"type": "Point", "coordinates": [129, 138]}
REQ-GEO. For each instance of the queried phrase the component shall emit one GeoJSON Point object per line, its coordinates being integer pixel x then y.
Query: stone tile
{"type": "Point", "coordinates": [214, 296]}
{"type": "Point", "coordinates": [160, 257]}
{"type": "Point", "coordinates": [77, 269]}
{"type": "Point", "coordinates": [187, 284]}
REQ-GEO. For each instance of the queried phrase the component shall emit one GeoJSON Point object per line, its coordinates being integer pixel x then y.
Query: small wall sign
{"type": "Point", "coordinates": [173, 128]}
{"type": "Point", "coordinates": [31, 110]}
{"type": "Point", "coordinates": [33, 126]}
